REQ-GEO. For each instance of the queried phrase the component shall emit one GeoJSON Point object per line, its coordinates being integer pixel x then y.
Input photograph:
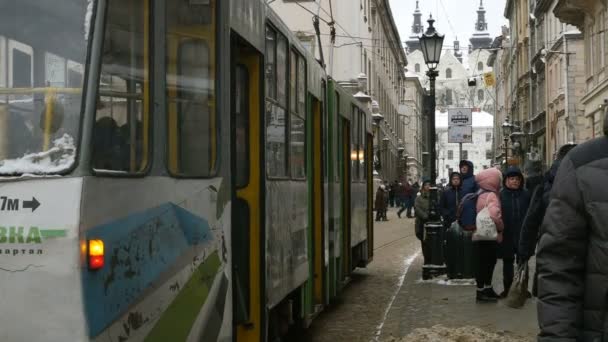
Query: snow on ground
{"type": "Point", "coordinates": [443, 280]}
{"type": "Point", "coordinates": [439, 333]}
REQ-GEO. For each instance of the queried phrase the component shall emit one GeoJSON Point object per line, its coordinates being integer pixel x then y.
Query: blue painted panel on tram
{"type": "Point", "coordinates": [138, 249]}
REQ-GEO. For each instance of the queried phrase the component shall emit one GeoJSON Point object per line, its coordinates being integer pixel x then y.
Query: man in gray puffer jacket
{"type": "Point", "coordinates": [572, 258]}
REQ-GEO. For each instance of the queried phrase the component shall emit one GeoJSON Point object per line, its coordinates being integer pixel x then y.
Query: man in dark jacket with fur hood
{"type": "Point", "coordinates": [573, 250]}
{"type": "Point", "coordinates": [514, 200]}
{"type": "Point", "coordinates": [450, 199]}
{"type": "Point", "coordinates": [469, 186]}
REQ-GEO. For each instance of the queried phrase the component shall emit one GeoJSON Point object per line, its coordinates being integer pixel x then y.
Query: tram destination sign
{"type": "Point", "coordinates": [460, 117]}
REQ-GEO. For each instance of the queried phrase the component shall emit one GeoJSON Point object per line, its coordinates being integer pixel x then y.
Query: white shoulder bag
{"type": "Point", "coordinates": [486, 228]}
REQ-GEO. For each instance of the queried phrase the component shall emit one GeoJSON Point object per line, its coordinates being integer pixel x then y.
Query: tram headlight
{"type": "Point", "coordinates": [96, 254]}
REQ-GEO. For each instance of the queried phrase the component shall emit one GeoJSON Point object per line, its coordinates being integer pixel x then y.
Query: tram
{"type": "Point", "coordinates": [176, 170]}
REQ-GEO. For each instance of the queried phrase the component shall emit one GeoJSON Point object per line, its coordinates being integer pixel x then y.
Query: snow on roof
{"type": "Point", "coordinates": [480, 119]}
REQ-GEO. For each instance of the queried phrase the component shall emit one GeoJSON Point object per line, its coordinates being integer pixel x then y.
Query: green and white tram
{"type": "Point", "coordinates": [172, 170]}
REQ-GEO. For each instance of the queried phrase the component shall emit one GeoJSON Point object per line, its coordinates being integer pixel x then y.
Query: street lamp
{"type": "Point", "coordinates": [507, 128]}
{"type": "Point", "coordinates": [431, 43]}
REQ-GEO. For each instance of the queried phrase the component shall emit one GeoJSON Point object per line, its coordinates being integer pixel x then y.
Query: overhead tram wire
{"type": "Point", "coordinates": [311, 12]}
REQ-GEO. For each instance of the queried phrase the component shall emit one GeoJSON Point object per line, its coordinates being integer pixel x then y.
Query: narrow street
{"type": "Point", "coordinates": [388, 301]}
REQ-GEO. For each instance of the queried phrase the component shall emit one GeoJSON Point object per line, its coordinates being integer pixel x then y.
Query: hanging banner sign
{"type": "Point", "coordinates": [489, 79]}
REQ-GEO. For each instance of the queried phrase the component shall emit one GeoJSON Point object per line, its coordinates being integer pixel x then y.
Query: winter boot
{"type": "Point", "coordinates": [483, 297]}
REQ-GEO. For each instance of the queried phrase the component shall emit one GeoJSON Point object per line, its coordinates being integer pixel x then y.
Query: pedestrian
{"type": "Point", "coordinates": [405, 197]}
{"type": "Point", "coordinates": [414, 194]}
{"type": "Point", "coordinates": [391, 194]}
{"type": "Point", "coordinates": [572, 251]}
{"type": "Point", "coordinates": [422, 207]}
{"type": "Point", "coordinates": [484, 252]}
{"type": "Point", "coordinates": [515, 201]}
{"type": "Point", "coordinates": [540, 187]}
{"type": "Point", "coordinates": [450, 199]}
{"type": "Point", "coordinates": [380, 203]}
{"type": "Point", "coordinates": [469, 185]}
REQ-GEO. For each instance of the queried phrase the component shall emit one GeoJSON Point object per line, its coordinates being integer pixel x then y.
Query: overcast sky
{"type": "Point", "coordinates": [462, 14]}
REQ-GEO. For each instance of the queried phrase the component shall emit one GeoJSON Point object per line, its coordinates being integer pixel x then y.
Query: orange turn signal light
{"type": "Point", "coordinates": [96, 254]}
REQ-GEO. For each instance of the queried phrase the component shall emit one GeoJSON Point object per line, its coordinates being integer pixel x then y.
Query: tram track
{"type": "Point", "coordinates": [393, 241]}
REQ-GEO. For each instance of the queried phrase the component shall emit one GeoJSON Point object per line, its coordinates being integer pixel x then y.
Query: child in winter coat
{"type": "Point", "coordinates": [484, 252]}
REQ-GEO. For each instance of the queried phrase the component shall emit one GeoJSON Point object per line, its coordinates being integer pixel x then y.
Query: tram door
{"type": "Point", "coordinates": [346, 203]}
{"type": "Point", "coordinates": [320, 231]}
{"type": "Point", "coordinates": [247, 195]}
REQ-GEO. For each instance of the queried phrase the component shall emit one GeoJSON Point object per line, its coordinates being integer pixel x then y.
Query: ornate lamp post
{"type": "Point", "coordinates": [507, 128]}
{"type": "Point", "coordinates": [431, 43]}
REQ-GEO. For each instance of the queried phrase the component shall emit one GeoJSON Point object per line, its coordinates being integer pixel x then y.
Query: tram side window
{"type": "Point", "coordinates": [354, 148]}
{"type": "Point", "coordinates": [362, 145]}
{"type": "Point", "coordinates": [336, 117]}
{"type": "Point", "coordinates": [276, 104]}
{"type": "Point", "coordinates": [297, 137]}
{"type": "Point", "coordinates": [190, 77]}
{"type": "Point", "coordinates": [120, 135]}
{"type": "Point", "coordinates": [22, 62]}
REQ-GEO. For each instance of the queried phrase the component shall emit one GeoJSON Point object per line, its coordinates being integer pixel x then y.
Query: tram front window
{"type": "Point", "coordinates": [43, 46]}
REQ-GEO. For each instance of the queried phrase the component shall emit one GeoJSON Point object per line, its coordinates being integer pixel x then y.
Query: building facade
{"type": "Point", "coordinates": [591, 18]}
{"type": "Point", "coordinates": [495, 61]}
{"type": "Point", "coordinates": [416, 127]}
{"type": "Point", "coordinates": [460, 82]}
{"type": "Point", "coordinates": [364, 55]}
{"type": "Point", "coordinates": [543, 97]}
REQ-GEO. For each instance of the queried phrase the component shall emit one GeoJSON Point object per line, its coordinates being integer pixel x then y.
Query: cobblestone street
{"type": "Point", "coordinates": [381, 304]}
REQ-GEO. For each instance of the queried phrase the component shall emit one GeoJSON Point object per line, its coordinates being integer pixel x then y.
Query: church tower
{"type": "Point", "coordinates": [412, 42]}
{"type": "Point", "coordinates": [481, 37]}
{"type": "Point", "coordinates": [457, 52]}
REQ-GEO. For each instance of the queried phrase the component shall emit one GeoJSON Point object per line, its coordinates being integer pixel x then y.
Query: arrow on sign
{"type": "Point", "coordinates": [33, 204]}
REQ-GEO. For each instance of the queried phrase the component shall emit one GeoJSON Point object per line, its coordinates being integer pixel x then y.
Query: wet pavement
{"type": "Point", "coordinates": [388, 301]}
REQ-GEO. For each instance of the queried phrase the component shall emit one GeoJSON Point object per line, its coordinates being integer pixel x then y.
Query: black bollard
{"type": "Point", "coordinates": [434, 262]}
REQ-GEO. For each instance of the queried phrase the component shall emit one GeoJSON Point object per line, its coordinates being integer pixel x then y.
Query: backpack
{"type": "Point", "coordinates": [468, 205]}
{"type": "Point", "coordinates": [486, 228]}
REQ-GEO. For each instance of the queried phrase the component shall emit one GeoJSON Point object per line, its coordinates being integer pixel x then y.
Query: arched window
{"type": "Point", "coordinates": [417, 67]}
{"type": "Point", "coordinates": [480, 66]}
{"type": "Point", "coordinates": [480, 95]}
{"type": "Point", "coordinates": [448, 73]}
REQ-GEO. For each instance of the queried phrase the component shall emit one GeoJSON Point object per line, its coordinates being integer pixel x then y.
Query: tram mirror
{"type": "Point", "coordinates": [56, 117]}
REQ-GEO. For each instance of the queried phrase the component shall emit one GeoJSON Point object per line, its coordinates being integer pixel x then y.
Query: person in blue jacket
{"type": "Point", "coordinates": [515, 201]}
{"type": "Point", "coordinates": [468, 210]}
{"type": "Point", "coordinates": [450, 199]}
{"type": "Point", "coordinates": [469, 185]}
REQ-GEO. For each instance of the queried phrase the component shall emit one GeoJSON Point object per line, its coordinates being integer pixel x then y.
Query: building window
{"type": "Point", "coordinates": [448, 97]}
{"type": "Point", "coordinates": [488, 154]}
{"type": "Point", "coordinates": [448, 73]}
{"type": "Point", "coordinates": [465, 155]}
{"type": "Point", "coordinates": [417, 67]}
{"type": "Point", "coordinates": [450, 155]}
{"type": "Point", "coordinates": [480, 66]}
{"type": "Point", "coordinates": [480, 94]}
{"type": "Point", "coordinates": [488, 137]}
